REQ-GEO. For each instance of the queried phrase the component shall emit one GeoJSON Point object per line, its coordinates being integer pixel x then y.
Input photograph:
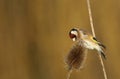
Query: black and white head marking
{"type": "Point", "coordinates": [73, 34]}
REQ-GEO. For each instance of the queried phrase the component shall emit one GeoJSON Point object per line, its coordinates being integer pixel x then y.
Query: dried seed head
{"type": "Point", "coordinates": [76, 57]}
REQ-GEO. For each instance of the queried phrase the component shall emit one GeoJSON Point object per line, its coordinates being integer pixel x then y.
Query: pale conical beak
{"type": "Point", "coordinates": [74, 39]}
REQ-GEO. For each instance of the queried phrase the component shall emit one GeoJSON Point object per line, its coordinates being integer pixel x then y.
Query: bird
{"type": "Point", "coordinates": [84, 41]}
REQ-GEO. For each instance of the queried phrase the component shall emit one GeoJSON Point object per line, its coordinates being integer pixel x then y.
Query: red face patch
{"type": "Point", "coordinates": [72, 36]}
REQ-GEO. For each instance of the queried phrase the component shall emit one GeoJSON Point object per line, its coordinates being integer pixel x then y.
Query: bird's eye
{"type": "Point", "coordinates": [84, 33]}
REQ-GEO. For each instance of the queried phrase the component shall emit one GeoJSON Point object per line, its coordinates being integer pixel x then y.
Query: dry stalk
{"type": "Point", "coordinates": [93, 32]}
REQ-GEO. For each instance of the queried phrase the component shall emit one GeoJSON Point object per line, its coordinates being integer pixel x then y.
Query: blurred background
{"type": "Point", "coordinates": [34, 38]}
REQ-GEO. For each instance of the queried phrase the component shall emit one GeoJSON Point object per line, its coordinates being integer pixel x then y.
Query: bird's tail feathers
{"type": "Point", "coordinates": [103, 54]}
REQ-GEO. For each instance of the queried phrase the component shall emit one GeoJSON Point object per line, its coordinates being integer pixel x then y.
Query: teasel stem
{"type": "Point", "coordinates": [69, 73]}
{"type": "Point", "coordinates": [93, 32]}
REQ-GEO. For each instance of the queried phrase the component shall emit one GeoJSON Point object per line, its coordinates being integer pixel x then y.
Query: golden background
{"type": "Point", "coordinates": [34, 38]}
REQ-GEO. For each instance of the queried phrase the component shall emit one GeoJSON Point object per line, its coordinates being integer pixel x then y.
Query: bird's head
{"type": "Point", "coordinates": [74, 34]}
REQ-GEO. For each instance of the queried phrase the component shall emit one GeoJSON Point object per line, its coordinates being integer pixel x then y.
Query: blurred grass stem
{"type": "Point", "coordinates": [93, 32]}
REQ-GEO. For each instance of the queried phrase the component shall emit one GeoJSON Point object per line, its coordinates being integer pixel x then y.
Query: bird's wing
{"type": "Point", "coordinates": [100, 44]}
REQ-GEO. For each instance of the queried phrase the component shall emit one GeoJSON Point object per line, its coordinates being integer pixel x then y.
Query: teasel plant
{"type": "Point", "coordinates": [83, 41]}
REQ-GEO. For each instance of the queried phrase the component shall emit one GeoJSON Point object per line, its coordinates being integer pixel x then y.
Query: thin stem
{"type": "Point", "coordinates": [93, 31]}
{"type": "Point", "coordinates": [69, 73]}
{"type": "Point", "coordinates": [90, 16]}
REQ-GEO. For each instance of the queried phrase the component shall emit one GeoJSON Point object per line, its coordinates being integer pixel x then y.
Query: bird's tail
{"type": "Point", "coordinates": [102, 49]}
{"type": "Point", "coordinates": [103, 54]}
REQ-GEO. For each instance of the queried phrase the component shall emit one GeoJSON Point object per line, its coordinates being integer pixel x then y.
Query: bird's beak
{"type": "Point", "coordinates": [73, 39]}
